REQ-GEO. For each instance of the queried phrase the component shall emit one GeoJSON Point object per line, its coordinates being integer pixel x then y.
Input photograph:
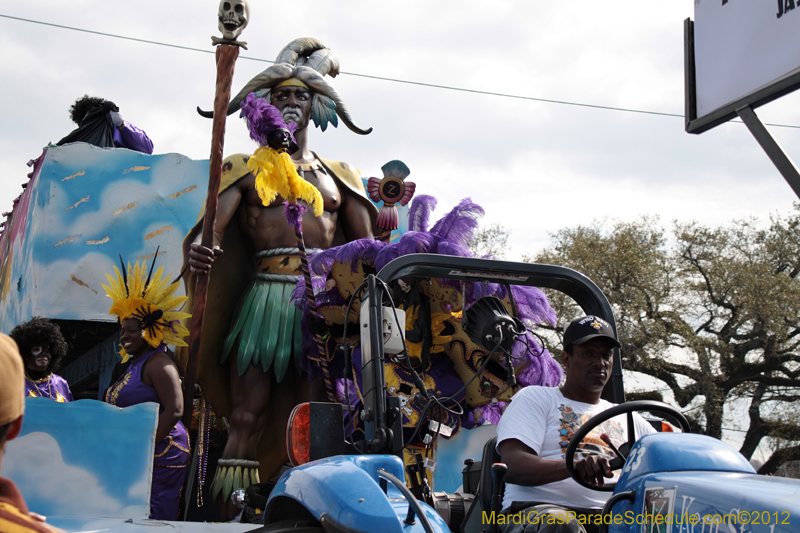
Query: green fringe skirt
{"type": "Point", "coordinates": [266, 329]}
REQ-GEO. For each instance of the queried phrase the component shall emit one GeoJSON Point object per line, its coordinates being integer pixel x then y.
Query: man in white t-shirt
{"type": "Point", "coordinates": [535, 430]}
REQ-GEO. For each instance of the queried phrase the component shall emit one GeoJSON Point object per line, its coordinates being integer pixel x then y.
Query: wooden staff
{"type": "Point", "coordinates": [312, 304]}
{"type": "Point", "coordinates": [296, 221]}
{"type": "Point", "coordinates": [226, 60]}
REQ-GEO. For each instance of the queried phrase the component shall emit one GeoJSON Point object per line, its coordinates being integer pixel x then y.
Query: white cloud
{"type": "Point", "coordinates": [35, 463]}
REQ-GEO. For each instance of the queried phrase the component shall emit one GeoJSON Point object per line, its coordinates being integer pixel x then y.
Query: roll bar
{"type": "Point", "coordinates": [570, 282]}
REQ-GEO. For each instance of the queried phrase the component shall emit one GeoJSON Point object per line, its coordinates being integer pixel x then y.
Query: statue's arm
{"type": "Point", "coordinates": [201, 257]}
{"type": "Point", "coordinates": [354, 217]}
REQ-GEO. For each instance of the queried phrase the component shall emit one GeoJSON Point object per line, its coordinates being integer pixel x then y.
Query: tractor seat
{"type": "Point", "coordinates": [490, 457]}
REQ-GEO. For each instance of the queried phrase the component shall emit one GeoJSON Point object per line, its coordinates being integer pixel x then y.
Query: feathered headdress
{"type": "Point", "coordinates": [135, 293]}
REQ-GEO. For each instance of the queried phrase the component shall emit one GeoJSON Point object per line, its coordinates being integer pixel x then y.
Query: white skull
{"type": "Point", "coordinates": [233, 18]}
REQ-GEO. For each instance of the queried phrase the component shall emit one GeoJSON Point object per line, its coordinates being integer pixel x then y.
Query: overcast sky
{"type": "Point", "coordinates": [536, 167]}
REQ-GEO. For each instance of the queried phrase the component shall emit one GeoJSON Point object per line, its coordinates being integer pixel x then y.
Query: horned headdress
{"type": "Point", "coordinates": [306, 60]}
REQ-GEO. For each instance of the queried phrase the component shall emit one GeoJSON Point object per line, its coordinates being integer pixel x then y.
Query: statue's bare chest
{"type": "Point", "coordinates": [315, 174]}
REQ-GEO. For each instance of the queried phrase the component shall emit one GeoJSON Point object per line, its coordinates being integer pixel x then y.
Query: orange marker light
{"type": "Point", "coordinates": [298, 435]}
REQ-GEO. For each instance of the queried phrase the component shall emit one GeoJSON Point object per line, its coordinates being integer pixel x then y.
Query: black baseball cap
{"type": "Point", "coordinates": [582, 330]}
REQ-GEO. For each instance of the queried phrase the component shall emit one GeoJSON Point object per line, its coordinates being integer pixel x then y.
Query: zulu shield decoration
{"type": "Point", "coordinates": [392, 190]}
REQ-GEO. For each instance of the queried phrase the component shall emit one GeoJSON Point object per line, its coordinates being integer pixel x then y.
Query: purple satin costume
{"type": "Point", "coordinates": [53, 386]}
{"type": "Point", "coordinates": [171, 454]}
{"type": "Point", "coordinates": [132, 138]}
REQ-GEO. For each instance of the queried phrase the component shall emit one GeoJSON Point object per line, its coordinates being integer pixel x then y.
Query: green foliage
{"type": "Point", "coordinates": [714, 313]}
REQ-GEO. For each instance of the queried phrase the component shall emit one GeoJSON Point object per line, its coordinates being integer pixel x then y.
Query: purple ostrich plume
{"type": "Point", "coordinates": [485, 414]}
{"type": "Point", "coordinates": [532, 304]}
{"type": "Point", "coordinates": [413, 242]}
{"type": "Point", "coordinates": [419, 213]}
{"type": "Point", "coordinates": [451, 248]}
{"type": "Point", "coordinates": [322, 263]}
{"type": "Point", "coordinates": [357, 251]}
{"type": "Point", "coordinates": [353, 253]}
{"type": "Point", "coordinates": [262, 118]}
{"type": "Point", "coordinates": [459, 225]}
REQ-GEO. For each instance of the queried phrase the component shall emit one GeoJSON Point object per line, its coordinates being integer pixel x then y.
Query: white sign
{"type": "Point", "coordinates": [742, 46]}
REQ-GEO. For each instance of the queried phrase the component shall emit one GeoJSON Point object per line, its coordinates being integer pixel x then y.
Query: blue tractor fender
{"type": "Point", "coordinates": [348, 490]}
{"type": "Point", "coordinates": [680, 452]}
{"type": "Point", "coordinates": [694, 483]}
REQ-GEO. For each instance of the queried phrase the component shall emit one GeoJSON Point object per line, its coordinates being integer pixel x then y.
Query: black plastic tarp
{"type": "Point", "coordinates": [96, 128]}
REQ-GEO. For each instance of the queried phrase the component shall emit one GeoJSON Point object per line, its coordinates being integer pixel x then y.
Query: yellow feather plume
{"type": "Point", "coordinates": [276, 175]}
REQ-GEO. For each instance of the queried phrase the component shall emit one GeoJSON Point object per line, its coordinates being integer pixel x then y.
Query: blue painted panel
{"type": "Point", "coordinates": [451, 453]}
{"type": "Point", "coordinates": [84, 208]}
{"type": "Point", "coordinates": [84, 459]}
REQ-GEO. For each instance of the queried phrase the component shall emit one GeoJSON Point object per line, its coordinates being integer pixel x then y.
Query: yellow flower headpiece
{"type": "Point", "coordinates": [148, 298]}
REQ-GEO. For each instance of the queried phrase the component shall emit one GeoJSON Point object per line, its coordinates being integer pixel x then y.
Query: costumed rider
{"type": "Point", "coordinates": [147, 310]}
{"type": "Point", "coordinates": [536, 428]}
{"type": "Point", "coordinates": [100, 123]}
{"type": "Point", "coordinates": [251, 364]}
{"type": "Point", "coordinates": [14, 514]}
{"type": "Point", "coordinates": [42, 347]}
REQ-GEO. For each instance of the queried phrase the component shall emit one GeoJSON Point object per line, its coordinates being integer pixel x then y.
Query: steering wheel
{"type": "Point", "coordinates": [622, 454]}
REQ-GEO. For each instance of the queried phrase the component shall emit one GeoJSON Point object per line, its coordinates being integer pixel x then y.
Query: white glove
{"type": "Point", "coordinates": [117, 119]}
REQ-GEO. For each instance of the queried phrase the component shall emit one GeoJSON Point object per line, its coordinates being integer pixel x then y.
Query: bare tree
{"type": "Point", "coordinates": [714, 314]}
{"type": "Point", "coordinates": [490, 241]}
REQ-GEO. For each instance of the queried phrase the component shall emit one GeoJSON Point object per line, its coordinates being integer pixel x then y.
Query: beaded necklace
{"type": "Point", "coordinates": [37, 392]}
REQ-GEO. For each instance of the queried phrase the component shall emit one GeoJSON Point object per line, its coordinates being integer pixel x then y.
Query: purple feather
{"type": "Point", "coordinates": [451, 248]}
{"type": "Point", "coordinates": [262, 118]}
{"type": "Point", "coordinates": [532, 305]}
{"type": "Point", "coordinates": [299, 295]}
{"type": "Point", "coordinates": [419, 213]}
{"type": "Point", "coordinates": [459, 225]}
{"type": "Point", "coordinates": [357, 251]}
{"type": "Point", "coordinates": [413, 242]}
{"type": "Point", "coordinates": [486, 414]}
{"type": "Point", "coordinates": [340, 391]}
{"type": "Point", "coordinates": [322, 262]}
{"type": "Point", "coordinates": [544, 371]}
{"type": "Point", "coordinates": [353, 253]}
{"type": "Point", "coordinates": [294, 214]}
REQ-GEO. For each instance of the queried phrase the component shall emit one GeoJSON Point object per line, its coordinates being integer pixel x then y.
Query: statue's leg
{"type": "Point", "coordinates": [311, 390]}
{"type": "Point", "coordinates": [250, 394]}
{"type": "Point", "coordinates": [238, 467]}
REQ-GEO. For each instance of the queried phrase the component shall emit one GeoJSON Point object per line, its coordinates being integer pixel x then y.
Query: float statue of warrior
{"type": "Point", "coordinates": [250, 366]}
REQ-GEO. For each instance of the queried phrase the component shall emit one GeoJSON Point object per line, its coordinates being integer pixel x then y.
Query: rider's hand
{"type": "Point", "coordinates": [201, 257]}
{"type": "Point", "coordinates": [117, 119]}
{"type": "Point", "coordinates": [593, 469]}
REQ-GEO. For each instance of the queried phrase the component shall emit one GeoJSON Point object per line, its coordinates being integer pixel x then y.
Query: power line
{"type": "Point", "coordinates": [111, 35]}
{"type": "Point", "coordinates": [519, 97]}
{"type": "Point", "coordinates": [381, 78]}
